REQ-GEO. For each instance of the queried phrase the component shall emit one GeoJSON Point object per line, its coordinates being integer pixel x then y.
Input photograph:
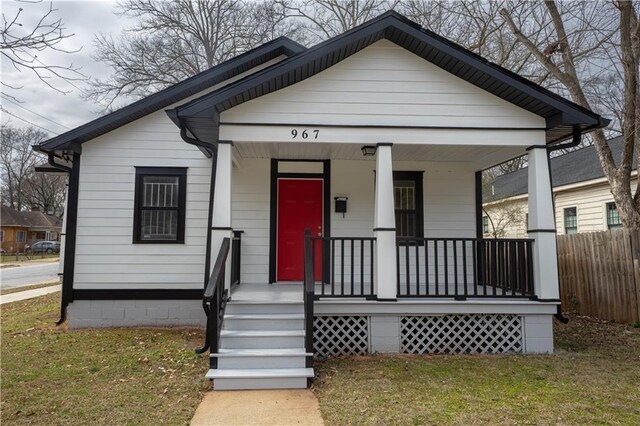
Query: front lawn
{"type": "Point", "coordinates": [594, 378]}
{"type": "Point", "coordinates": [116, 376]}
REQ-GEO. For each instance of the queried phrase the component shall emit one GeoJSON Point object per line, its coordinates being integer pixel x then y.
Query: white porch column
{"type": "Point", "coordinates": [221, 220]}
{"type": "Point", "coordinates": [384, 228]}
{"type": "Point", "coordinates": [542, 225]}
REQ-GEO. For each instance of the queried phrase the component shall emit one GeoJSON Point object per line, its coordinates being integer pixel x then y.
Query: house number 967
{"type": "Point", "coordinates": [305, 134]}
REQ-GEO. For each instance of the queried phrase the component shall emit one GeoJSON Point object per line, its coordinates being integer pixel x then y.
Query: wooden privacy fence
{"type": "Point", "coordinates": [600, 274]}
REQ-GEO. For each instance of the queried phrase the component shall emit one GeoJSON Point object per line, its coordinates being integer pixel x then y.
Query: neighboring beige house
{"type": "Point", "coordinates": [582, 196]}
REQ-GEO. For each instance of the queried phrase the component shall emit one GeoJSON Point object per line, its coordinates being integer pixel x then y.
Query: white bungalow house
{"type": "Point", "coordinates": [373, 142]}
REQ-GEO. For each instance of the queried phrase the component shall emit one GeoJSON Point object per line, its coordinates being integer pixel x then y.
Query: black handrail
{"type": "Point", "coordinates": [309, 289]}
{"type": "Point", "coordinates": [214, 302]}
{"type": "Point", "coordinates": [462, 268]}
{"type": "Point", "coordinates": [236, 256]}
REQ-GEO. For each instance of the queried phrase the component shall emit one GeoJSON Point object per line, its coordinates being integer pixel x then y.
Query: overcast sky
{"type": "Point", "coordinates": [83, 18]}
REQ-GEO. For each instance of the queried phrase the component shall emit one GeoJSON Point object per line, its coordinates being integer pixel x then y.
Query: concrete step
{"type": "Point", "coordinates": [261, 339]}
{"type": "Point", "coordinates": [264, 307]}
{"type": "Point", "coordinates": [272, 378]}
{"type": "Point", "coordinates": [261, 358]}
{"type": "Point", "coordinates": [264, 322]}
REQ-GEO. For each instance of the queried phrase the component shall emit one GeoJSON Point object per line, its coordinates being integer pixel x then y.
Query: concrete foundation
{"type": "Point", "coordinates": [135, 313]}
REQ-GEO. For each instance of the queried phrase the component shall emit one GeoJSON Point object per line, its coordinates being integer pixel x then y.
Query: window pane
{"type": "Point", "coordinates": [160, 191]}
{"type": "Point", "coordinates": [613, 217]}
{"type": "Point", "coordinates": [571, 220]}
{"type": "Point", "coordinates": [159, 224]}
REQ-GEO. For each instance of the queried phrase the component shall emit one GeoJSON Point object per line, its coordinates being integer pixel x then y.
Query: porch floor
{"type": "Point", "coordinates": [294, 291]}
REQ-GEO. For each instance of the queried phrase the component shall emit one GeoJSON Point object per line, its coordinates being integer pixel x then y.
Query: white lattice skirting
{"type": "Point", "coordinates": [461, 334]}
{"type": "Point", "coordinates": [337, 335]}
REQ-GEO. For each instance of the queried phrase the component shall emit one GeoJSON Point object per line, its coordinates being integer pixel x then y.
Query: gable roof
{"type": "Point", "coordinates": [33, 219]}
{"type": "Point", "coordinates": [173, 94]}
{"type": "Point", "coordinates": [577, 166]}
{"type": "Point", "coordinates": [201, 115]}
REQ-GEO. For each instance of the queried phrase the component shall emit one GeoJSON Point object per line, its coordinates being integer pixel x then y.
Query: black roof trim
{"type": "Point", "coordinates": [175, 93]}
{"type": "Point", "coordinates": [561, 114]}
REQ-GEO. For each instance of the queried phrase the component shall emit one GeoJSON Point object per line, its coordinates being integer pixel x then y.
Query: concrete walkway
{"type": "Point", "coordinates": [28, 294]}
{"type": "Point", "coordinates": [259, 407]}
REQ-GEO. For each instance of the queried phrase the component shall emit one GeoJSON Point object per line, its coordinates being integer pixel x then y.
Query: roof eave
{"type": "Point", "coordinates": [161, 99]}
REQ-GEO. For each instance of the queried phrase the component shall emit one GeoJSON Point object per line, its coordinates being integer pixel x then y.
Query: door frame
{"type": "Point", "coordinates": [273, 215]}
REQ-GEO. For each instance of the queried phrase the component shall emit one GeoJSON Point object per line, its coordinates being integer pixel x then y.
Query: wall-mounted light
{"type": "Point", "coordinates": [368, 150]}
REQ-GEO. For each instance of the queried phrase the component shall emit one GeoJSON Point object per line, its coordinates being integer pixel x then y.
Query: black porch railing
{"type": "Point", "coordinates": [347, 266]}
{"type": "Point", "coordinates": [236, 254]}
{"type": "Point", "coordinates": [464, 267]}
{"type": "Point", "coordinates": [214, 302]}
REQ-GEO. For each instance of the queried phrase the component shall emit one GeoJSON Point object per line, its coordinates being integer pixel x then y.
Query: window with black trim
{"type": "Point", "coordinates": [408, 200]}
{"type": "Point", "coordinates": [485, 224]}
{"type": "Point", "coordinates": [570, 220]}
{"type": "Point", "coordinates": [160, 201]}
{"type": "Point", "coordinates": [613, 217]}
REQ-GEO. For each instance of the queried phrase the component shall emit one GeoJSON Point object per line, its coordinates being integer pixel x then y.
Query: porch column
{"type": "Point", "coordinates": [221, 220]}
{"type": "Point", "coordinates": [385, 225]}
{"type": "Point", "coordinates": [542, 225]}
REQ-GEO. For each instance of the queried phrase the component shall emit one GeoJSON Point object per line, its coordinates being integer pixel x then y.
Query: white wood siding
{"type": "Point", "coordinates": [384, 84]}
{"type": "Point", "coordinates": [448, 205]}
{"type": "Point", "coordinates": [106, 258]}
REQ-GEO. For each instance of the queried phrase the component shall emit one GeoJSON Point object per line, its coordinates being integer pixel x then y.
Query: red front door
{"type": "Point", "coordinates": [299, 207]}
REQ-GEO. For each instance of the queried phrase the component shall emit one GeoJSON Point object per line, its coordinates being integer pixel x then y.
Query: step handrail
{"type": "Point", "coordinates": [309, 290]}
{"type": "Point", "coordinates": [214, 302]}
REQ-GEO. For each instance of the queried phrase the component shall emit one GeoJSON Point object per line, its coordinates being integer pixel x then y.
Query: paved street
{"type": "Point", "coordinates": [28, 275]}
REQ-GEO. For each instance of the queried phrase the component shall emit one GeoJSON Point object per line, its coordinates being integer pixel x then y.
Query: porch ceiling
{"type": "Point", "coordinates": [479, 156]}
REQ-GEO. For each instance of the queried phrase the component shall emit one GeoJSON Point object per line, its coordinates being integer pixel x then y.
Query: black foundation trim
{"type": "Point", "coordinates": [383, 229]}
{"type": "Point", "coordinates": [551, 231]}
{"type": "Point", "coordinates": [138, 294]}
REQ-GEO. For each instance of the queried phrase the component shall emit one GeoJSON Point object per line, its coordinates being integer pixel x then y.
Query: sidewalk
{"type": "Point", "coordinates": [12, 264]}
{"type": "Point", "coordinates": [28, 294]}
{"type": "Point", "coordinates": [259, 407]}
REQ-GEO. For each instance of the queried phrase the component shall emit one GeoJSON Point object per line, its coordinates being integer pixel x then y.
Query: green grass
{"type": "Point", "coordinates": [113, 376]}
{"type": "Point", "coordinates": [593, 379]}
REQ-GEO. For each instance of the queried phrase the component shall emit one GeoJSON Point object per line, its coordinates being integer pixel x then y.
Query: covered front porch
{"type": "Point", "coordinates": [403, 221]}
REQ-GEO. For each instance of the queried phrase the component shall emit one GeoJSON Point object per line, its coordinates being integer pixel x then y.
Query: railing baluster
{"type": "Point", "coordinates": [446, 266]}
{"type": "Point", "coordinates": [407, 268]}
{"type": "Point", "coordinates": [352, 242]}
{"type": "Point", "coordinates": [342, 267]}
{"type": "Point", "coordinates": [426, 267]}
{"type": "Point", "coordinates": [371, 265]}
{"type": "Point", "coordinates": [464, 267]}
{"type": "Point", "coordinates": [398, 269]}
{"type": "Point", "coordinates": [417, 268]}
{"type": "Point", "coordinates": [455, 265]}
{"type": "Point", "coordinates": [362, 267]}
{"type": "Point", "coordinates": [333, 267]}
{"type": "Point", "coordinates": [436, 266]}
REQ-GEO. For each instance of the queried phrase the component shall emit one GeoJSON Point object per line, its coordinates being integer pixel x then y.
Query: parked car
{"type": "Point", "coordinates": [43, 247]}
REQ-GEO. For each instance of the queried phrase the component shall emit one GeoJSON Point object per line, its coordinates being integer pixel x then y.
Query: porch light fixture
{"type": "Point", "coordinates": [368, 150]}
